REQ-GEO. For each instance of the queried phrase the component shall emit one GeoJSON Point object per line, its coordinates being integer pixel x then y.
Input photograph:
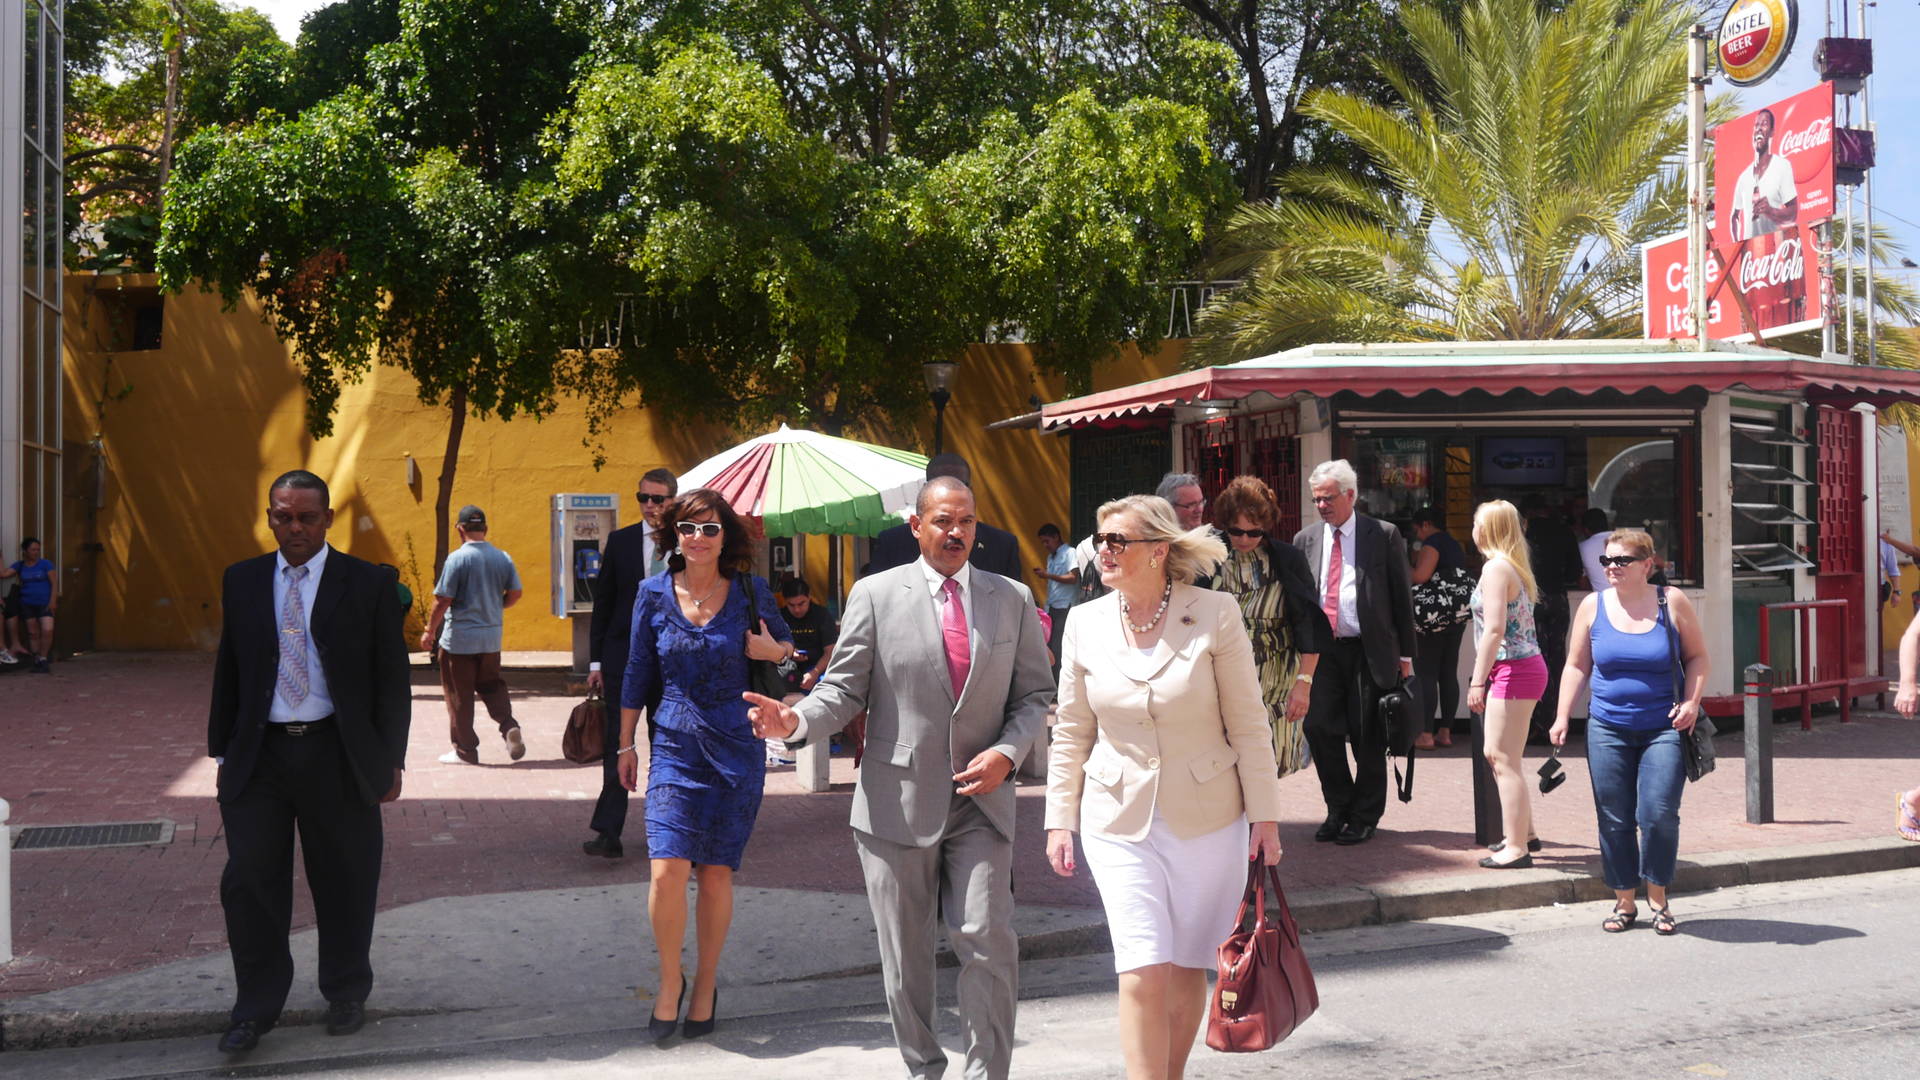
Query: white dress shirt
{"type": "Point", "coordinates": [319, 702]}
{"type": "Point", "coordinates": [1348, 625]}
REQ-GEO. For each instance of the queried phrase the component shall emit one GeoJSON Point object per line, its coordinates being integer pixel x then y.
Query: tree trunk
{"type": "Point", "coordinates": [176, 37]}
{"type": "Point", "coordinates": [443, 499]}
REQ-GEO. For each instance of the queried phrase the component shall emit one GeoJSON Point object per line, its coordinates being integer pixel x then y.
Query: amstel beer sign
{"type": "Point", "coordinates": [1755, 38]}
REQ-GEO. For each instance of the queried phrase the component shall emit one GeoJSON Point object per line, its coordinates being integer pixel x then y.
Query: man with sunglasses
{"type": "Point", "coordinates": [632, 555]}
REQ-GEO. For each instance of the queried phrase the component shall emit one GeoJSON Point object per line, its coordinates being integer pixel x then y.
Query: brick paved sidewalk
{"type": "Point", "coordinates": [121, 737]}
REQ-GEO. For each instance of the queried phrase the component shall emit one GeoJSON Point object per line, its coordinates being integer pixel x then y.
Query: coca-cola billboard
{"type": "Point", "coordinates": [1761, 287]}
{"type": "Point", "coordinates": [1773, 167]}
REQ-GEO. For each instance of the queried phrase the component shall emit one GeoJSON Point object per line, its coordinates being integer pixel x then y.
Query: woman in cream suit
{"type": "Point", "coordinates": [1161, 756]}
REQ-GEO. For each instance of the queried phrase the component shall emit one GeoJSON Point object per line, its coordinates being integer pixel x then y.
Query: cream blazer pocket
{"type": "Point", "coordinates": [1105, 767]}
{"type": "Point", "coordinates": [1213, 764]}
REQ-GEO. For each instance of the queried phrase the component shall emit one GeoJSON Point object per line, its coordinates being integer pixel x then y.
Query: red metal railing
{"type": "Point", "coordinates": [1842, 684]}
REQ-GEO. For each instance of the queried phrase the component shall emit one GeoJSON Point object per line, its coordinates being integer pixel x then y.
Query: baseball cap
{"type": "Point", "coordinates": [472, 517]}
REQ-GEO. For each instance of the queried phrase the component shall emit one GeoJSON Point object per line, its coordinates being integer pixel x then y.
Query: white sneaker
{"type": "Point", "coordinates": [7, 657]}
{"type": "Point", "coordinates": [516, 745]}
{"type": "Point", "coordinates": [452, 757]}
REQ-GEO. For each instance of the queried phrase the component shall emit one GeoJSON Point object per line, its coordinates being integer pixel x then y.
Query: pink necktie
{"type": "Point", "coordinates": [953, 631]}
{"type": "Point", "coordinates": [1331, 605]}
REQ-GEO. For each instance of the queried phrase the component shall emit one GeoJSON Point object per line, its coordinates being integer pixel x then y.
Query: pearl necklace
{"type": "Point", "coordinates": [1127, 615]}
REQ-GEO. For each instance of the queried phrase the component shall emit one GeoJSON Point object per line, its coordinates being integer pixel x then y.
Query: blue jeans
{"type": "Point", "coordinates": [1637, 779]}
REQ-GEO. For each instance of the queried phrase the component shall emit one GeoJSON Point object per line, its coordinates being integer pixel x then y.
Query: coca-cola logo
{"type": "Point", "coordinates": [1777, 267]}
{"type": "Point", "coordinates": [1817, 134]}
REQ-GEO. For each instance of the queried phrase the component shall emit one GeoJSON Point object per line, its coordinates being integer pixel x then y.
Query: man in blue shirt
{"type": "Point", "coordinates": [477, 584]}
{"type": "Point", "coordinates": [1062, 574]}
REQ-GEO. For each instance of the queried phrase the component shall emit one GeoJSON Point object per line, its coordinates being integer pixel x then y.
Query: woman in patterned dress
{"type": "Point", "coordinates": [693, 633]}
{"type": "Point", "coordinates": [1270, 579]}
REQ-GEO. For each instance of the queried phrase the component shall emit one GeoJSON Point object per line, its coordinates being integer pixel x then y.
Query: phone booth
{"type": "Point", "coordinates": [581, 525]}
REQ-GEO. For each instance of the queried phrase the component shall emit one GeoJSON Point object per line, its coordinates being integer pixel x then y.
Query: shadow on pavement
{"type": "Point", "coordinates": [1765, 931]}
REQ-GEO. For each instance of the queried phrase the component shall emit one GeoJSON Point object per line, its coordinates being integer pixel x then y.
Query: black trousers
{"type": "Point", "coordinates": [1552, 619]}
{"type": "Point", "coordinates": [610, 809]}
{"type": "Point", "coordinates": [300, 783]}
{"type": "Point", "coordinates": [1436, 669]}
{"type": "Point", "coordinates": [1341, 712]}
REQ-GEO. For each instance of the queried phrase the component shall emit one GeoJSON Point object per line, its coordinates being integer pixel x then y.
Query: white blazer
{"type": "Point", "coordinates": [1183, 730]}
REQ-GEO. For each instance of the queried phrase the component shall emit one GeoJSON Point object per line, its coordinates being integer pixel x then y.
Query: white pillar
{"type": "Point", "coordinates": [811, 764]}
{"type": "Point", "coordinates": [6, 885]}
{"type": "Point", "coordinates": [1715, 605]}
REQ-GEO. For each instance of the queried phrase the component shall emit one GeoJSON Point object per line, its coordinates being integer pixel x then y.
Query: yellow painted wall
{"type": "Point", "coordinates": [218, 411]}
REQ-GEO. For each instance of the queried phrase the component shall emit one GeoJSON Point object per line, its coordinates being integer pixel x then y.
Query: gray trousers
{"type": "Point", "coordinates": [969, 873]}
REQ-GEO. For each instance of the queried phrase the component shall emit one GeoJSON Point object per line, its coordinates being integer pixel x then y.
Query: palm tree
{"type": "Point", "coordinates": [1524, 166]}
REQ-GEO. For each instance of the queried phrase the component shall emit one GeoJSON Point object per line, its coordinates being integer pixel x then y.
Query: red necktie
{"type": "Point", "coordinates": [1331, 605]}
{"type": "Point", "coordinates": [953, 631]}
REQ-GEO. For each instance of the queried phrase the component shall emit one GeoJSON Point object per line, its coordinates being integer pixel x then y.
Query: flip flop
{"type": "Point", "coordinates": [1906, 822]}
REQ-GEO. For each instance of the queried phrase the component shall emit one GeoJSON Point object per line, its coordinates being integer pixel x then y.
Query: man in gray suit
{"type": "Point", "coordinates": [949, 664]}
{"type": "Point", "coordinates": [1362, 582]}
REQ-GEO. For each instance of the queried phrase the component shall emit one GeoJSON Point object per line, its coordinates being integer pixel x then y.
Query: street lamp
{"type": "Point", "coordinates": [939, 376]}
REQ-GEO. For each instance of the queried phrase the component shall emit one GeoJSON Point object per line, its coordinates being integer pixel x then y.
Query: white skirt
{"type": "Point", "coordinates": [1169, 899]}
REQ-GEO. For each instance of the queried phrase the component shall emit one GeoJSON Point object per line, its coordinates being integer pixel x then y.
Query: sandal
{"type": "Point", "coordinates": [1663, 923]}
{"type": "Point", "coordinates": [1619, 921]}
{"type": "Point", "coordinates": [1905, 822]}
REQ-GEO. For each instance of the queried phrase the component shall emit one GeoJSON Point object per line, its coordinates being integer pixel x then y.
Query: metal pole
{"type": "Point", "coordinates": [1487, 826]}
{"type": "Point", "coordinates": [939, 420]}
{"type": "Point", "coordinates": [6, 885]}
{"type": "Point", "coordinates": [1758, 737]}
{"type": "Point", "coordinates": [1697, 184]}
{"type": "Point", "coordinates": [1866, 121]}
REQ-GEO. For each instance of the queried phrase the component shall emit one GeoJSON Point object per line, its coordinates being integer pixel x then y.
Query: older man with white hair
{"type": "Point", "coordinates": [1189, 500]}
{"type": "Point", "coordinates": [1360, 571]}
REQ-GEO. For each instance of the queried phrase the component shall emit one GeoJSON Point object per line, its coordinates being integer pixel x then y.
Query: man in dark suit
{"type": "Point", "coordinates": [311, 704]}
{"type": "Point", "coordinates": [1360, 573]}
{"type": "Point", "coordinates": [1555, 554]}
{"type": "Point", "coordinates": [994, 550]}
{"type": "Point", "coordinates": [632, 556]}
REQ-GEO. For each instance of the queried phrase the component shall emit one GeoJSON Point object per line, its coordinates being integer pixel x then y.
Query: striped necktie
{"type": "Point", "coordinates": [293, 641]}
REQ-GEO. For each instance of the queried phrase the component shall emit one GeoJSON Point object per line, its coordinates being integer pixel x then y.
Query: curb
{"type": "Point", "coordinates": [1318, 910]}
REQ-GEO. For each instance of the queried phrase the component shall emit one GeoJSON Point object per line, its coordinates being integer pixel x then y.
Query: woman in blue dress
{"type": "Point", "coordinates": [692, 637]}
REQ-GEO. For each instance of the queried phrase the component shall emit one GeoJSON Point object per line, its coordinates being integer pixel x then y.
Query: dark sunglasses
{"type": "Point", "coordinates": [1620, 560]}
{"type": "Point", "coordinates": [708, 529]}
{"type": "Point", "coordinates": [646, 498]}
{"type": "Point", "coordinates": [1256, 534]}
{"type": "Point", "coordinates": [1114, 542]}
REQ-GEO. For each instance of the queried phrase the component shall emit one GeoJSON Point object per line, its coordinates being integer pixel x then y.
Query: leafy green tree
{"type": "Point", "coordinates": [380, 225]}
{"type": "Point", "coordinates": [773, 276]}
{"type": "Point", "coordinates": [1519, 187]}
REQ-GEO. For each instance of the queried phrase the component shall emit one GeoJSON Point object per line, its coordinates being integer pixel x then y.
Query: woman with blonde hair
{"type": "Point", "coordinates": [1162, 761]}
{"type": "Point", "coordinates": [1509, 674]}
{"type": "Point", "coordinates": [1269, 578]}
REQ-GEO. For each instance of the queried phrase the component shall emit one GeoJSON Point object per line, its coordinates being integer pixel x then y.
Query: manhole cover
{"type": "Point", "coordinates": [117, 834]}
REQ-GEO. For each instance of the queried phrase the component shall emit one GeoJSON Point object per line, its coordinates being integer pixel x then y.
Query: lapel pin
{"type": "Point", "coordinates": [1186, 620]}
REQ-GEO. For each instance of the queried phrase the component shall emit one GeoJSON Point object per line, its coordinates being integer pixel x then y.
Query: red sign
{"type": "Point", "coordinates": [1773, 167]}
{"type": "Point", "coordinates": [1774, 287]}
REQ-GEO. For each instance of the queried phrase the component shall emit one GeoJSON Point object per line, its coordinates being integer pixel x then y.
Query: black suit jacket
{"type": "Point", "coordinates": [1383, 592]}
{"type": "Point", "coordinates": [623, 566]}
{"type": "Point", "coordinates": [356, 626]}
{"type": "Point", "coordinates": [1306, 623]}
{"type": "Point", "coordinates": [994, 550]}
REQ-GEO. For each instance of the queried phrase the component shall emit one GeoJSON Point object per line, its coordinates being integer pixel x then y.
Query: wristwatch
{"type": "Point", "coordinates": [1304, 677]}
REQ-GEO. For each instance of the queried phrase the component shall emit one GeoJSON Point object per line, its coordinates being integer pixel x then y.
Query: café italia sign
{"type": "Point", "coordinates": [1755, 38]}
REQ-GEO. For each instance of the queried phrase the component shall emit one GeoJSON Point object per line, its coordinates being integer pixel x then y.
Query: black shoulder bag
{"type": "Point", "coordinates": [763, 676]}
{"type": "Point", "coordinates": [1698, 744]}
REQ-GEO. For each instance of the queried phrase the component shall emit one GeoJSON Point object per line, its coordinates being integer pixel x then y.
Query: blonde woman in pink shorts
{"type": "Point", "coordinates": [1509, 674]}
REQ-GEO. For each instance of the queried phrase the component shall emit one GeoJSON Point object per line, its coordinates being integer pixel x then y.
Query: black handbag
{"type": "Point", "coordinates": [1443, 601]}
{"type": "Point", "coordinates": [1697, 747]}
{"type": "Point", "coordinates": [763, 676]}
{"type": "Point", "coordinates": [1400, 721]}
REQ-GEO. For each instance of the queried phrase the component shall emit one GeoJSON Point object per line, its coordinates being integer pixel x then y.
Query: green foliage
{"type": "Point", "coordinates": [1527, 158]}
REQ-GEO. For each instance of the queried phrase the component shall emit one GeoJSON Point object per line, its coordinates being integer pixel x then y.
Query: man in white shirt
{"type": "Point", "coordinates": [1764, 198]}
{"type": "Point", "coordinates": [1594, 521]}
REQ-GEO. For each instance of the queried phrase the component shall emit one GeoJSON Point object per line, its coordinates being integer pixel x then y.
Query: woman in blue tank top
{"type": "Point", "coordinates": [1624, 638]}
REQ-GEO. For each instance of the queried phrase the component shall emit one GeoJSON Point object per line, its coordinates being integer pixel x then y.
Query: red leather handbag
{"type": "Point", "coordinates": [1265, 989]}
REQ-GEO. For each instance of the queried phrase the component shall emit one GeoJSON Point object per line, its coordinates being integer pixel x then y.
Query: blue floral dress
{"type": "Point", "coordinates": [707, 771]}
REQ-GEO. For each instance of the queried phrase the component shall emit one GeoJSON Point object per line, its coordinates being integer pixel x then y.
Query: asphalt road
{"type": "Point", "coordinates": [1798, 981]}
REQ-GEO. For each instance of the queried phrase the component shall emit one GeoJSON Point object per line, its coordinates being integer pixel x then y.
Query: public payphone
{"type": "Point", "coordinates": [581, 525]}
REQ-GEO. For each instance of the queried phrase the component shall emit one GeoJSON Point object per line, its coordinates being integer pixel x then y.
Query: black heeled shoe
{"type": "Point", "coordinates": [661, 1029]}
{"type": "Point", "coordinates": [693, 1029]}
